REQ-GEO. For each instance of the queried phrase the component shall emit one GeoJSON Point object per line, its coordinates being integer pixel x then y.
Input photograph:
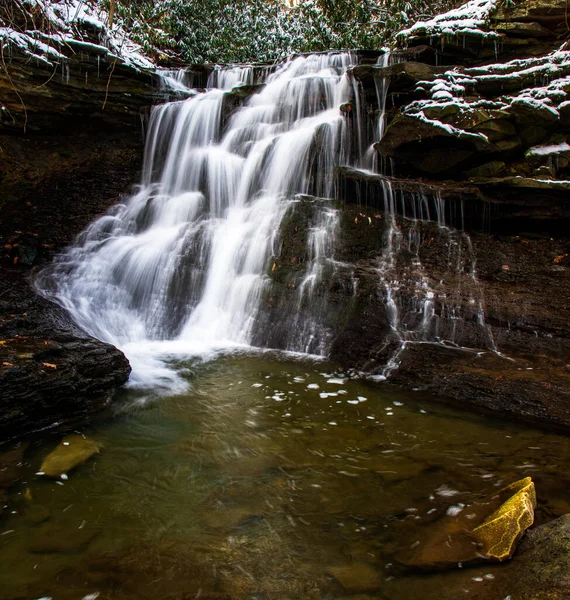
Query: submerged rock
{"type": "Point", "coordinates": [357, 578]}
{"type": "Point", "coordinates": [73, 451]}
{"type": "Point", "coordinates": [61, 540]}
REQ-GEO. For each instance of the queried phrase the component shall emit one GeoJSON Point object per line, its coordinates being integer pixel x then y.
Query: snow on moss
{"type": "Point", "coordinates": [548, 150]}
{"type": "Point", "coordinates": [470, 19]}
{"type": "Point", "coordinates": [73, 22]}
{"type": "Point", "coordinates": [543, 86]}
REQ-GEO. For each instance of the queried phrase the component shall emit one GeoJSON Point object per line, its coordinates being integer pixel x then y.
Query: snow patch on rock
{"type": "Point", "coordinates": [470, 19]}
{"type": "Point", "coordinates": [73, 22]}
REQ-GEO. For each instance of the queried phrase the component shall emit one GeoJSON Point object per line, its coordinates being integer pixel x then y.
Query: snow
{"type": "Point", "coordinates": [548, 150]}
{"type": "Point", "coordinates": [544, 84]}
{"type": "Point", "coordinates": [69, 22]}
{"type": "Point", "coordinates": [469, 19]}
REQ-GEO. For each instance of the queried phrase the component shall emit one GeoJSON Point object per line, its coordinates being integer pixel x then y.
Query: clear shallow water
{"type": "Point", "coordinates": [256, 482]}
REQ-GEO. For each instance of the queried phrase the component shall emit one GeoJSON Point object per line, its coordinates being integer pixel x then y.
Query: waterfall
{"type": "Point", "coordinates": [184, 267]}
{"type": "Point", "coordinates": [181, 267]}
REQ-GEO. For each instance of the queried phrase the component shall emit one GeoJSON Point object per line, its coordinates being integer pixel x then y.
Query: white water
{"type": "Point", "coordinates": [180, 268]}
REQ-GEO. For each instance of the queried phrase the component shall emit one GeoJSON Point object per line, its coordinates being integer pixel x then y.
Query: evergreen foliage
{"type": "Point", "coordinates": [226, 31]}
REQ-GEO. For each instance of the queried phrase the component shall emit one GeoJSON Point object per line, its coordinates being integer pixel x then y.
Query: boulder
{"type": "Point", "coordinates": [58, 539]}
{"type": "Point", "coordinates": [451, 542]}
{"type": "Point", "coordinates": [541, 566]}
{"type": "Point", "coordinates": [500, 533]}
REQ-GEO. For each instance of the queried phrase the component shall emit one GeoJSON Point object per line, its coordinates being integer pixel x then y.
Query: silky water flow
{"type": "Point", "coordinates": [180, 269]}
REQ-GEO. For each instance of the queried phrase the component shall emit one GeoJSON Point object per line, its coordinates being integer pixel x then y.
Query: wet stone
{"type": "Point", "coordinates": [36, 515]}
{"type": "Point", "coordinates": [61, 540]}
{"type": "Point", "coordinates": [445, 547]}
{"type": "Point", "coordinates": [357, 578]}
{"type": "Point", "coordinates": [11, 464]}
{"type": "Point", "coordinates": [500, 533]}
{"type": "Point", "coordinates": [73, 451]}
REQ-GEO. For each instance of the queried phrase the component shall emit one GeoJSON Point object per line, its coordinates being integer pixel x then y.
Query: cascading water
{"type": "Point", "coordinates": [181, 267]}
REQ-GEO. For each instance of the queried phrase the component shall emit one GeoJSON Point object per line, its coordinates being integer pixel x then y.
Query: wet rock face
{"type": "Point", "coordinates": [51, 373]}
{"type": "Point", "coordinates": [542, 561]}
{"type": "Point", "coordinates": [54, 379]}
{"type": "Point", "coordinates": [64, 65]}
{"type": "Point", "coordinates": [505, 96]}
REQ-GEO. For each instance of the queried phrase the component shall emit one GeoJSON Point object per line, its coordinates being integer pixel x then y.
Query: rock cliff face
{"type": "Point", "coordinates": [62, 65]}
{"type": "Point", "coordinates": [479, 145]}
{"type": "Point", "coordinates": [72, 95]}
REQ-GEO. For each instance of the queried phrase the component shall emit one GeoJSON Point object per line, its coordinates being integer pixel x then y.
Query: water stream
{"type": "Point", "coordinates": [261, 481]}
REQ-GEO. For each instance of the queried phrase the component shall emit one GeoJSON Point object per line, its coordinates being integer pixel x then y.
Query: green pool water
{"type": "Point", "coordinates": [260, 481]}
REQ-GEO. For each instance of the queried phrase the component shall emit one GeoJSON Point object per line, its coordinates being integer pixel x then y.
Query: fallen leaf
{"type": "Point", "coordinates": [50, 365]}
{"type": "Point", "coordinates": [273, 267]}
{"type": "Point", "coordinates": [7, 364]}
{"type": "Point", "coordinates": [560, 258]}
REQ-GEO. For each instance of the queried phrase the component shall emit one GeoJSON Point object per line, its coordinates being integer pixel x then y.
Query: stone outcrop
{"type": "Point", "coordinates": [483, 115]}
{"type": "Point", "coordinates": [62, 65]}
{"type": "Point", "coordinates": [479, 145]}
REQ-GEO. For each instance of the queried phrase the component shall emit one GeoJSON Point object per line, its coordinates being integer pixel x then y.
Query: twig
{"type": "Point", "coordinates": [109, 83]}
{"type": "Point", "coordinates": [14, 86]}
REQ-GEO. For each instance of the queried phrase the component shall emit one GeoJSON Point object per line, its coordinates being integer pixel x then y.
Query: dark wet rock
{"type": "Point", "coordinates": [72, 451]}
{"type": "Point", "coordinates": [357, 578]}
{"type": "Point", "coordinates": [500, 521]}
{"type": "Point", "coordinates": [447, 546]}
{"type": "Point", "coordinates": [85, 80]}
{"type": "Point", "coordinates": [517, 266]}
{"type": "Point", "coordinates": [12, 464]}
{"type": "Point", "coordinates": [52, 379]}
{"type": "Point", "coordinates": [490, 169]}
{"type": "Point", "coordinates": [542, 562]}
{"type": "Point", "coordinates": [55, 186]}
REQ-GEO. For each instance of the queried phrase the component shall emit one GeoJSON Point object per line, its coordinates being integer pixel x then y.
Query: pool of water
{"type": "Point", "coordinates": [263, 481]}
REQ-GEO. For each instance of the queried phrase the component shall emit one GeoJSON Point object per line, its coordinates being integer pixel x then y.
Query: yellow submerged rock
{"type": "Point", "coordinates": [499, 533]}
{"type": "Point", "coordinates": [71, 452]}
